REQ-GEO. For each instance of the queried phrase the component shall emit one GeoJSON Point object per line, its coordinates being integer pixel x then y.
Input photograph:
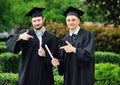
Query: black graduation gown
{"type": "Point", "coordinates": [34, 70]}
{"type": "Point", "coordinates": [78, 68]}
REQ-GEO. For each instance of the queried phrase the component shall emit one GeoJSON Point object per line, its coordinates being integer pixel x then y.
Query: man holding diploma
{"type": "Point", "coordinates": [35, 62]}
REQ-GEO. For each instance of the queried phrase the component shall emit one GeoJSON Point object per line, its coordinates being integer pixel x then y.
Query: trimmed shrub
{"type": "Point", "coordinates": [12, 79]}
{"type": "Point", "coordinates": [2, 43]}
{"type": "Point", "coordinates": [8, 79]}
{"type": "Point", "coordinates": [107, 74]}
{"type": "Point", "coordinates": [3, 47]}
{"type": "Point", "coordinates": [103, 57]}
{"type": "Point", "coordinates": [58, 80]}
{"type": "Point", "coordinates": [9, 62]}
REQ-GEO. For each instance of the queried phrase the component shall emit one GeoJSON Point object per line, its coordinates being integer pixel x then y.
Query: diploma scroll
{"type": "Point", "coordinates": [49, 52]}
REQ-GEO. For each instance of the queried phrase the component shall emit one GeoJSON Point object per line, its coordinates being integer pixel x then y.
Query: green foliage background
{"type": "Point", "coordinates": [12, 11]}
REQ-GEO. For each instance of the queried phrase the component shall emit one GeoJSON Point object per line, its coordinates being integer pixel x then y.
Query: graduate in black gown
{"type": "Point", "coordinates": [77, 51]}
{"type": "Point", "coordinates": [35, 62]}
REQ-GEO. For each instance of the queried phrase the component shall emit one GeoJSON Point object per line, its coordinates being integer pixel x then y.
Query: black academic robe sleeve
{"type": "Point", "coordinates": [86, 53]}
{"type": "Point", "coordinates": [13, 45]}
{"type": "Point", "coordinates": [61, 60]}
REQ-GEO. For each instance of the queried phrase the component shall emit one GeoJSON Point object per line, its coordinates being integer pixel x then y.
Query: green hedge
{"type": "Point", "coordinates": [2, 43]}
{"type": "Point", "coordinates": [12, 79]}
{"type": "Point", "coordinates": [8, 79]}
{"type": "Point", "coordinates": [107, 74]}
{"type": "Point", "coordinates": [9, 62]}
{"type": "Point", "coordinates": [58, 80]}
{"type": "Point", "coordinates": [103, 57]}
{"type": "Point", "coordinates": [3, 47]}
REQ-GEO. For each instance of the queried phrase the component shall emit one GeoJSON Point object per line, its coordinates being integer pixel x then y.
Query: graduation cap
{"type": "Point", "coordinates": [35, 12]}
{"type": "Point", "coordinates": [73, 11]}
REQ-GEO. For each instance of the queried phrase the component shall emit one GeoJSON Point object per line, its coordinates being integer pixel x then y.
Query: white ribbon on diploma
{"type": "Point", "coordinates": [49, 52]}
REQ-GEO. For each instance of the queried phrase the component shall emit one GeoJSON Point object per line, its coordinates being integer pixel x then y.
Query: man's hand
{"type": "Point", "coordinates": [55, 62]}
{"type": "Point", "coordinates": [41, 52]}
{"type": "Point", "coordinates": [68, 48]}
{"type": "Point", "coordinates": [25, 36]}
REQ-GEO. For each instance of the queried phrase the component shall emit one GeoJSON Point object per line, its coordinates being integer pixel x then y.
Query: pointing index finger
{"type": "Point", "coordinates": [62, 47]}
{"type": "Point", "coordinates": [68, 43]}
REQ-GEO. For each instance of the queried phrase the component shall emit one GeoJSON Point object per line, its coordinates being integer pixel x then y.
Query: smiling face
{"type": "Point", "coordinates": [37, 22]}
{"type": "Point", "coordinates": [72, 22]}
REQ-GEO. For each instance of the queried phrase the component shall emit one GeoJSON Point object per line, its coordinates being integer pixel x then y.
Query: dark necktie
{"type": "Point", "coordinates": [74, 38]}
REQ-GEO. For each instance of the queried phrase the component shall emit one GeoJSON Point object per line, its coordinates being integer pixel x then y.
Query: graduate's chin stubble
{"type": "Point", "coordinates": [38, 28]}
